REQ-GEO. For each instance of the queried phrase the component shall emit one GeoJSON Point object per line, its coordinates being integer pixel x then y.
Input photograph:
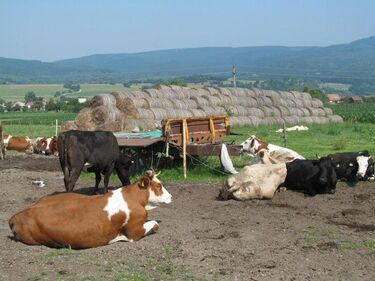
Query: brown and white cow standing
{"type": "Point", "coordinates": [18, 143]}
{"type": "Point", "coordinates": [80, 221]}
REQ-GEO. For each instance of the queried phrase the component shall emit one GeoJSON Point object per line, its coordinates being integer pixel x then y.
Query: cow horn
{"type": "Point", "coordinates": [158, 173]}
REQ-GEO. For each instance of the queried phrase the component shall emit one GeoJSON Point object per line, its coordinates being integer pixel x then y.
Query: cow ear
{"type": "Point", "coordinates": [144, 182]}
{"type": "Point", "coordinates": [149, 174]}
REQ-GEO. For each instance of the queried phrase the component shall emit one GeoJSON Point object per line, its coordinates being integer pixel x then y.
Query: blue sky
{"type": "Point", "coordinates": [52, 30]}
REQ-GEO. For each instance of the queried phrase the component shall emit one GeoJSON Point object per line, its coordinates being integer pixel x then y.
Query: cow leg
{"type": "Point", "coordinates": [136, 232]}
{"type": "Point", "coordinates": [107, 175]}
{"type": "Point", "coordinates": [98, 178]}
{"type": "Point", "coordinates": [73, 177]}
{"type": "Point", "coordinates": [150, 227]}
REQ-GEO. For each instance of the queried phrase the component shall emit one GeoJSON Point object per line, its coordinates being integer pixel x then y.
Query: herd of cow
{"type": "Point", "coordinates": [41, 145]}
{"type": "Point", "coordinates": [82, 221]}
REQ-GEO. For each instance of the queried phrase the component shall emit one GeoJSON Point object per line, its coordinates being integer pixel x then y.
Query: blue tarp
{"type": "Point", "coordinates": [143, 135]}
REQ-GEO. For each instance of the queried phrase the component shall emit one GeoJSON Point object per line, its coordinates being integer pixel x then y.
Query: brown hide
{"type": "Point", "coordinates": [22, 144]}
{"type": "Point", "coordinates": [81, 221]}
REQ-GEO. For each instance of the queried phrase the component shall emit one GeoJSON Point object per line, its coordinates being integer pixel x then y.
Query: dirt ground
{"type": "Point", "coordinates": [291, 237]}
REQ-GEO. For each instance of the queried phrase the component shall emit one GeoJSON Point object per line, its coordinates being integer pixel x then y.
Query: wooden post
{"type": "Point", "coordinates": [2, 148]}
{"type": "Point", "coordinates": [184, 128]}
{"type": "Point", "coordinates": [285, 136]}
{"type": "Point", "coordinates": [56, 127]}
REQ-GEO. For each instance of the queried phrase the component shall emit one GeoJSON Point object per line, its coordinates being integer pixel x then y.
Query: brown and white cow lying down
{"type": "Point", "coordinates": [46, 145]}
{"type": "Point", "coordinates": [80, 221]}
{"type": "Point", "coordinates": [18, 143]}
{"type": "Point", "coordinates": [254, 145]}
{"type": "Point", "coordinates": [258, 181]}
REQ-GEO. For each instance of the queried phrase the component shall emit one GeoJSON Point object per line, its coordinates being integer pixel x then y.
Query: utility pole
{"type": "Point", "coordinates": [234, 76]}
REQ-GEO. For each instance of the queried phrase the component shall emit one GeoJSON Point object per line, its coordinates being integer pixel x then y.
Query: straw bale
{"type": "Point", "coordinates": [292, 120]}
{"type": "Point", "coordinates": [184, 104]}
{"type": "Point", "coordinates": [258, 92]}
{"type": "Point", "coordinates": [200, 101]}
{"type": "Point", "coordinates": [328, 111]}
{"type": "Point", "coordinates": [290, 103]}
{"type": "Point", "coordinates": [238, 92]}
{"type": "Point", "coordinates": [139, 94]}
{"type": "Point", "coordinates": [142, 124]}
{"type": "Point", "coordinates": [306, 102]}
{"type": "Point", "coordinates": [241, 120]}
{"type": "Point", "coordinates": [139, 102]}
{"type": "Point", "coordinates": [270, 111]}
{"type": "Point", "coordinates": [213, 91]}
{"type": "Point", "coordinates": [306, 120]}
{"type": "Point", "coordinates": [297, 95]}
{"type": "Point", "coordinates": [114, 126]}
{"type": "Point", "coordinates": [255, 112]}
{"type": "Point", "coordinates": [271, 93]}
{"type": "Point", "coordinates": [286, 95]}
{"type": "Point", "coordinates": [306, 96]}
{"type": "Point", "coordinates": [316, 103]}
{"type": "Point", "coordinates": [153, 93]}
{"type": "Point", "coordinates": [159, 113]}
{"type": "Point", "coordinates": [210, 110]}
{"type": "Point", "coordinates": [224, 91]}
{"type": "Point", "coordinates": [182, 113]}
{"type": "Point", "coordinates": [212, 100]}
{"type": "Point", "coordinates": [316, 111]}
{"type": "Point", "coordinates": [225, 100]}
{"type": "Point", "coordinates": [197, 112]}
{"type": "Point", "coordinates": [144, 114]}
{"type": "Point", "coordinates": [335, 119]}
{"type": "Point", "coordinates": [103, 114]}
{"type": "Point", "coordinates": [318, 119]}
{"type": "Point", "coordinates": [283, 110]}
{"type": "Point", "coordinates": [245, 101]}
{"type": "Point", "coordinates": [68, 125]}
{"type": "Point", "coordinates": [102, 100]}
{"type": "Point", "coordinates": [237, 110]}
{"type": "Point", "coordinates": [298, 102]}
{"type": "Point", "coordinates": [264, 100]}
{"type": "Point", "coordinates": [84, 120]}
{"type": "Point", "coordinates": [201, 92]}
{"type": "Point", "coordinates": [305, 111]}
{"type": "Point", "coordinates": [158, 103]}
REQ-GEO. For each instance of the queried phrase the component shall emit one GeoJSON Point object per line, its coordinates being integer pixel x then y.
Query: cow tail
{"type": "Point", "coordinates": [65, 146]}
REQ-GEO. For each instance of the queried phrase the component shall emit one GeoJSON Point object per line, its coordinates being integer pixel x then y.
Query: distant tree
{"type": "Point", "coordinates": [72, 86]}
{"type": "Point", "coordinates": [2, 101]}
{"type": "Point", "coordinates": [127, 84]}
{"type": "Point", "coordinates": [30, 96]}
{"type": "Point", "coordinates": [177, 82]}
{"type": "Point", "coordinates": [17, 107]}
{"type": "Point", "coordinates": [9, 106]}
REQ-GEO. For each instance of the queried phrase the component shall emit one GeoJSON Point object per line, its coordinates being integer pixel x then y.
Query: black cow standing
{"type": "Point", "coordinates": [99, 150]}
{"type": "Point", "coordinates": [352, 166]}
{"type": "Point", "coordinates": [311, 176]}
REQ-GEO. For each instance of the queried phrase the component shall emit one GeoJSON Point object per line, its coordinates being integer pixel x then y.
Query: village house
{"type": "Point", "coordinates": [356, 99]}
{"type": "Point", "coordinates": [334, 98]}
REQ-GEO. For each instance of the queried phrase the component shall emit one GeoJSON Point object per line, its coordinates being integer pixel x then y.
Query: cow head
{"type": "Point", "coordinates": [253, 144]}
{"type": "Point", "coordinates": [41, 145]}
{"type": "Point", "coordinates": [365, 167]}
{"type": "Point", "coordinates": [327, 178]}
{"type": "Point", "coordinates": [51, 148]}
{"type": "Point", "coordinates": [157, 192]}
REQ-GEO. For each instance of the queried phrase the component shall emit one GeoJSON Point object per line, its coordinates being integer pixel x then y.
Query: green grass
{"type": "Point", "coordinates": [355, 112]}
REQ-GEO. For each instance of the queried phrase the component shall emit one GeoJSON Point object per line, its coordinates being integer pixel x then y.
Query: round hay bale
{"type": "Point", "coordinates": [271, 94]}
{"type": "Point", "coordinates": [306, 96]}
{"type": "Point", "coordinates": [292, 120]}
{"type": "Point", "coordinates": [264, 100]}
{"type": "Point", "coordinates": [297, 95]}
{"type": "Point", "coordinates": [316, 111]}
{"type": "Point", "coordinates": [212, 91]}
{"type": "Point", "coordinates": [153, 93]}
{"type": "Point", "coordinates": [197, 112]}
{"type": "Point", "coordinates": [102, 99]}
{"type": "Point", "coordinates": [255, 112]}
{"type": "Point", "coordinates": [200, 101]}
{"type": "Point", "coordinates": [306, 120]}
{"type": "Point", "coordinates": [286, 95]}
{"type": "Point", "coordinates": [305, 111]}
{"type": "Point", "coordinates": [68, 125]}
{"type": "Point", "coordinates": [144, 114]}
{"type": "Point", "coordinates": [84, 120]}
{"type": "Point", "coordinates": [114, 126]}
{"type": "Point", "coordinates": [270, 111]}
{"type": "Point", "coordinates": [201, 92]}
{"type": "Point", "coordinates": [139, 94]}
{"type": "Point", "coordinates": [298, 102]}
{"type": "Point", "coordinates": [238, 110]}
{"type": "Point", "coordinates": [316, 103]}
{"type": "Point", "coordinates": [239, 120]}
{"type": "Point", "coordinates": [212, 100]}
{"type": "Point", "coordinates": [130, 125]}
{"type": "Point", "coordinates": [290, 103]}
{"type": "Point", "coordinates": [246, 101]}
{"type": "Point", "coordinates": [298, 112]}
{"type": "Point", "coordinates": [158, 103]}
{"type": "Point", "coordinates": [182, 113]}
{"type": "Point", "coordinates": [139, 102]}
{"type": "Point", "coordinates": [328, 111]}
{"type": "Point", "coordinates": [256, 91]}
{"type": "Point", "coordinates": [335, 119]}
{"type": "Point", "coordinates": [283, 110]}
{"type": "Point", "coordinates": [238, 92]}
{"type": "Point", "coordinates": [224, 91]}
{"type": "Point", "coordinates": [278, 100]}
{"type": "Point", "coordinates": [159, 113]}
{"type": "Point", "coordinates": [184, 104]}
{"type": "Point", "coordinates": [210, 110]}
{"type": "Point", "coordinates": [104, 114]}
{"type": "Point", "coordinates": [225, 100]}
{"type": "Point", "coordinates": [306, 102]}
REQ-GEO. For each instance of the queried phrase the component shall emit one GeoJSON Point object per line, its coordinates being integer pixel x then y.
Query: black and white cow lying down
{"type": "Point", "coordinates": [260, 181]}
{"type": "Point", "coordinates": [353, 166]}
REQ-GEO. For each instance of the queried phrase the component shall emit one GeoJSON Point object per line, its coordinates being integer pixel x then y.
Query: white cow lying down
{"type": "Point", "coordinates": [258, 181]}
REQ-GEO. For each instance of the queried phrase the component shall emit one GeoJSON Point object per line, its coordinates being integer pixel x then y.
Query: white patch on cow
{"type": "Point", "coordinates": [362, 165]}
{"type": "Point", "coordinates": [120, 237]}
{"type": "Point", "coordinates": [338, 166]}
{"type": "Point", "coordinates": [116, 203]}
{"type": "Point", "coordinates": [148, 226]}
{"type": "Point", "coordinates": [6, 140]}
{"type": "Point", "coordinates": [165, 196]}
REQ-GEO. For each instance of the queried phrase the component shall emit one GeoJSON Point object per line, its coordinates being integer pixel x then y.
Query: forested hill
{"type": "Point", "coordinates": [355, 60]}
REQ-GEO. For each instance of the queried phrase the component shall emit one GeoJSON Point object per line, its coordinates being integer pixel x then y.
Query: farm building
{"type": "Point", "coordinates": [356, 99]}
{"type": "Point", "coordinates": [124, 111]}
{"type": "Point", "coordinates": [334, 98]}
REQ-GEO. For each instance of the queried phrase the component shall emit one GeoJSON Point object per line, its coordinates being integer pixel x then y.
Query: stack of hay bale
{"type": "Point", "coordinates": [123, 111]}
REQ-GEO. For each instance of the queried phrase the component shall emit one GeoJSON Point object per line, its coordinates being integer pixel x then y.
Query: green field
{"type": "Point", "coordinates": [17, 92]}
{"type": "Point", "coordinates": [355, 112]}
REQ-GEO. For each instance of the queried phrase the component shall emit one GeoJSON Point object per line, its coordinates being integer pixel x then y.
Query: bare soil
{"type": "Point", "coordinates": [291, 237]}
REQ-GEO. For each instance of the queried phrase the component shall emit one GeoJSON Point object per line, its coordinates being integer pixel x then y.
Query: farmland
{"type": "Point", "coordinates": [355, 112]}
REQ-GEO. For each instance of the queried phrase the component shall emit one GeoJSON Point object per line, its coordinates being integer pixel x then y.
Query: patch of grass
{"type": "Point", "coordinates": [369, 244]}
{"type": "Point", "coordinates": [131, 277]}
{"type": "Point", "coordinates": [53, 253]}
{"type": "Point", "coordinates": [36, 276]}
{"type": "Point", "coordinates": [340, 144]}
{"type": "Point", "coordinates": [349, 245]}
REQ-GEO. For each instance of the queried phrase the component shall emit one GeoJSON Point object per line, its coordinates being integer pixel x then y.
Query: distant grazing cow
{"type": "Point", "coordinates": [47, 146]}
{"type": "Point", "coordinates": [97, 150]}
{"type": "Point", "coordinates": [18, 143]}
{"type": "Point", "coordinates": [311, 176]}
{"type": "Point", "coordinates": [352, 166]}
{"type": "Point", "coordinates": [81, 221]}
{"type": "Point", "coordinates": [282, 154]}
{"type": "Point", "coordinates": [258, 181]}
